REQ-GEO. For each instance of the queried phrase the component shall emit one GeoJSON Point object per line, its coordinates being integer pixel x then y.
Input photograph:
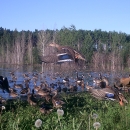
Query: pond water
{"type": "Point", "coordinates": [50, 74]}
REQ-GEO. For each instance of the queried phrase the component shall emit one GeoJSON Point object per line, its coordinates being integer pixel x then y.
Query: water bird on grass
{"type": "Point", "coordinates": [110, 93]}
{"type": "Point", "coordinates": [125, 81]}
{"type": "Point", "coordinates": [31, 99]}
{"type": "Point", "coordinates": [42, 92]}
{"type": "Point", "coordinates": [45, 108]}
{"type": "Point", "coordinates": [57, 102]}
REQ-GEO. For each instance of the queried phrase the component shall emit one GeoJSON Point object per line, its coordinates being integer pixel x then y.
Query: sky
{"type": "Point", "coordinates": [107, 15]}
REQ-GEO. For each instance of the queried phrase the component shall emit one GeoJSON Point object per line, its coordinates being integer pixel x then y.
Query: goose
{"type": "Point", "coordinates": [96, 81]}
{"type": "Point", "coordinates": [4, 84]}
{"type": "Point", "coordinates": [102, 82]}
{"type": "Point", "coordinates": [1, 83]}
{"type": "Point", "coordinates": [82, 85]}
{"type": "Point", "coordinates": [79, 79]}
{"type": "Point", "coordinates": [66, 79]}
{"type": "Point", "coordinates": [87, 86]}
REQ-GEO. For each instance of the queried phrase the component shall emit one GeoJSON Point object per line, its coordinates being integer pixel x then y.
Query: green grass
{"type": "Point", "coordinates": [78, 111]}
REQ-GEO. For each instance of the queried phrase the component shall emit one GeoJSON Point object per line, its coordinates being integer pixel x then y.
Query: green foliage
{"type": "Point", "coordinates": [81, 40]}
{"type": "Point", "coordinates": [78, 112]}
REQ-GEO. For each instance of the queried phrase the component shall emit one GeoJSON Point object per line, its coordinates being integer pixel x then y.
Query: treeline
{"type": "Point", "coordinates": [106, 50]}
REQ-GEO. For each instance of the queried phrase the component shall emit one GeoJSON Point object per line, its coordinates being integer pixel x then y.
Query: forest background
{"type": "Point", "coordinates": [102, 49]}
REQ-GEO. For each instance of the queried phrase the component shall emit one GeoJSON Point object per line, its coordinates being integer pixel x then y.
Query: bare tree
{"type": "Point", "coordinates": [18, 49]}
{"type": "Point", "coordinates": [30, 49]}
{"type": "Point", "coordinates": [43, 39]}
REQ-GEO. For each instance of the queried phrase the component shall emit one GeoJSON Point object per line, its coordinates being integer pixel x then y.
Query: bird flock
{"type": "Point", "coordinates": [49, 86]}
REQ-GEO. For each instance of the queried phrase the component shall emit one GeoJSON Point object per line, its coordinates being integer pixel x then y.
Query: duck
{"type": "Point", "coordinates": [13, 90]}
{"type": "Point", "coordinates": [48, 97]}
{"type": "Point", "coordinates": [25, 90]}
{"type": "Point", "coordinates": [37, 87]}
{"type": "Point", "coordinates": [13, 94]}
{"type": "Point", "coordinates": [19, 86]}
{"type": "Point", "coordinates": [26, 76]}
{"type": "Point", "coordinates": [14, 78]}
{"type": "Point", "coordinates": [42, 92]}
{"type": "Point", "coordinates": [121, 98]}
{"type": "Point", "coordinates": [31, 99]}
{"type": "Point", "coordinates": [2, 101]}
{"type": "Point", "coordinates": [57, 103]}
{"type": "Point", "coordinates": [71, 88]}
{"type": "Point", "coordinates": [110, 93]}
{"type": "Point", "coordinates": [125, 81]}
{"type": "Point", "coordinates": [45, 109]}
